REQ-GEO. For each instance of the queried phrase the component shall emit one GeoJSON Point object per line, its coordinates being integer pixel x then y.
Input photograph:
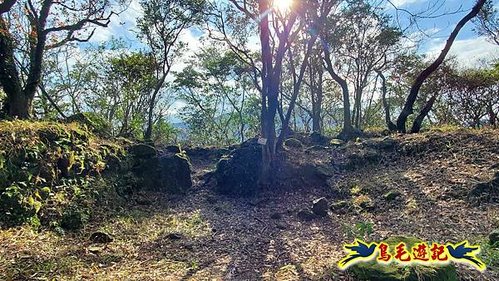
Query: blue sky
{"type": "Point", "coordinates": [469, 47]}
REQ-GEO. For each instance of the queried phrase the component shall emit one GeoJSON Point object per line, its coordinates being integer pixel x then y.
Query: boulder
{"type": "Point", "coordinates": [396, 272]}
{"type": "Point", "coordinates": [325, 171]}
{"type": "Point", "coordinates": [320, 207]}
{"type": "Point", "coordinates": [93, 121]}
{"type": "Point", "coordinates": [238, 173]}
{"type": "Point", "coordinates": [175, 173]}
{"type": "Point", "coordinates": [386, 143]}
{"type": "Point", "coordinates": [357, 156]}
{"type": "Point", "coordinates": [142, 150]}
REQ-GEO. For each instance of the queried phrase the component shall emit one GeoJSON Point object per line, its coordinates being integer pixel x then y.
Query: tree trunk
{"type": "Point", "coordinates": [15, 105]}
{"type": "Point", "coordinates": [418, 122]}
{"type": "Point", "coordinates": [347, 118]}
{"type": "Point", "coordinates": [267, 120]}
{"type": "Point", "coordinates": [413, 94]}
{"type": "Point", "coordinates": [391, 126]}
{"type": "Point", "coordinates": [317, 103]}
{"type": "Point", "coordinates": [152, 103]}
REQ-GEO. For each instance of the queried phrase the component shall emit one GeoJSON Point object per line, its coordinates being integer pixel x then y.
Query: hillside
{"type": "Point", "coordinates": [437, 186]}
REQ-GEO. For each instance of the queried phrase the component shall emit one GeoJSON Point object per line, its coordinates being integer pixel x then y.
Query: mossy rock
{"type": "Point", "coordinates": [374, 271]}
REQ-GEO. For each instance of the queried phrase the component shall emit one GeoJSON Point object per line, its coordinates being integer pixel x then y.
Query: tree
{"type": "Point", "coordinates": [413, 94]}
{"type": "Point", "coordinates": [279, 30]}
{"type": "Point", "coordinates": [160, 27]}
{"type": "Point", "coordinates": [216, 88]}
{"type": "Point", "coordinates": [358, 46]}
{"type": "Point", "coordinates": [30, 28]}
{"type": "Point", "coordinates": [472, 96]}
{"type": "Point", "coordinates": [487, 22]}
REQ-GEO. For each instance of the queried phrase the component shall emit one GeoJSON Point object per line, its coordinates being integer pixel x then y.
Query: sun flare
{"type": "Point", "coordinates": [283, 5]}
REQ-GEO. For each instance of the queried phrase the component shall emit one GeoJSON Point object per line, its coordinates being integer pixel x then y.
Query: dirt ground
{"type": "Point", "coordinates": [206, 236]}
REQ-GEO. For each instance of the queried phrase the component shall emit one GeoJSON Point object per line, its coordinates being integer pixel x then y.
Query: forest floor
{"type": "Point", "coordinates": [206, 236]}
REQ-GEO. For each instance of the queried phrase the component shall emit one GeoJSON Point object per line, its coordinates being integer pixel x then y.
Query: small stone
{"type": "Point", "coordinates": [281, 225]}
{"type": "Point", "coordinates": [174, 236]}
{"type": "Point", "coordinates": [276, 216]}
{"type": "Point", "coordinates": [101, 237]}
{"type": "Point", "coordinates": [95, 249]}
{"type": "Point", "coordinates": [320, 207]}
{"type": "Point", "coordinates": [306, 215]}
{"type": "Point", "coordinates": [392, 195]}
{"type": "Point", "coordinates": [494, 237]}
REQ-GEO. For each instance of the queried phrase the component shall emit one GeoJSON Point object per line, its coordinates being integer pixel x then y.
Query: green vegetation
{"type": "Point", "coordinates": [49, 172]}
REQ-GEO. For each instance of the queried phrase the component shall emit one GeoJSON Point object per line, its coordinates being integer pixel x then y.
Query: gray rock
{"type": "Point", "coordinates": [320, 207]}
{"type": "Point", "coordinates": [101, 237]}
{"type": "Point", "coordinates": [392, 195]}
{"type": "Point", "coordinates": [175, 173]}
{"type": "Point", "coordinates": [238, 173]}
{"type": "Point", "coordinates": [142, 150]}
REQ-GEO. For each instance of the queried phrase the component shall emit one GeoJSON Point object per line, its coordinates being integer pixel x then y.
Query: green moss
{"type": "Point", "coordinates": [46, 166]}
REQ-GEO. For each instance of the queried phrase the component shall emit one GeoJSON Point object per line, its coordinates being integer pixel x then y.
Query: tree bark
{"type": "Point", "coordinates": [413, 94]}
{"type": "Point", "coordinates": [391, 126]}
{"type": "Point", "coordinates": [347, 117]}
{"type": "Point", "coordinates": [418, 122]}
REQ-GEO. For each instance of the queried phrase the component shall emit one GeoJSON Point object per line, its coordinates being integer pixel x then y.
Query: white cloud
{"type": "Point", "coordinates": [469, 52]}
{"type": "Point", "coordinates": [121, 26]}
{"type": "Point", "coordinates": [401, 3]}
